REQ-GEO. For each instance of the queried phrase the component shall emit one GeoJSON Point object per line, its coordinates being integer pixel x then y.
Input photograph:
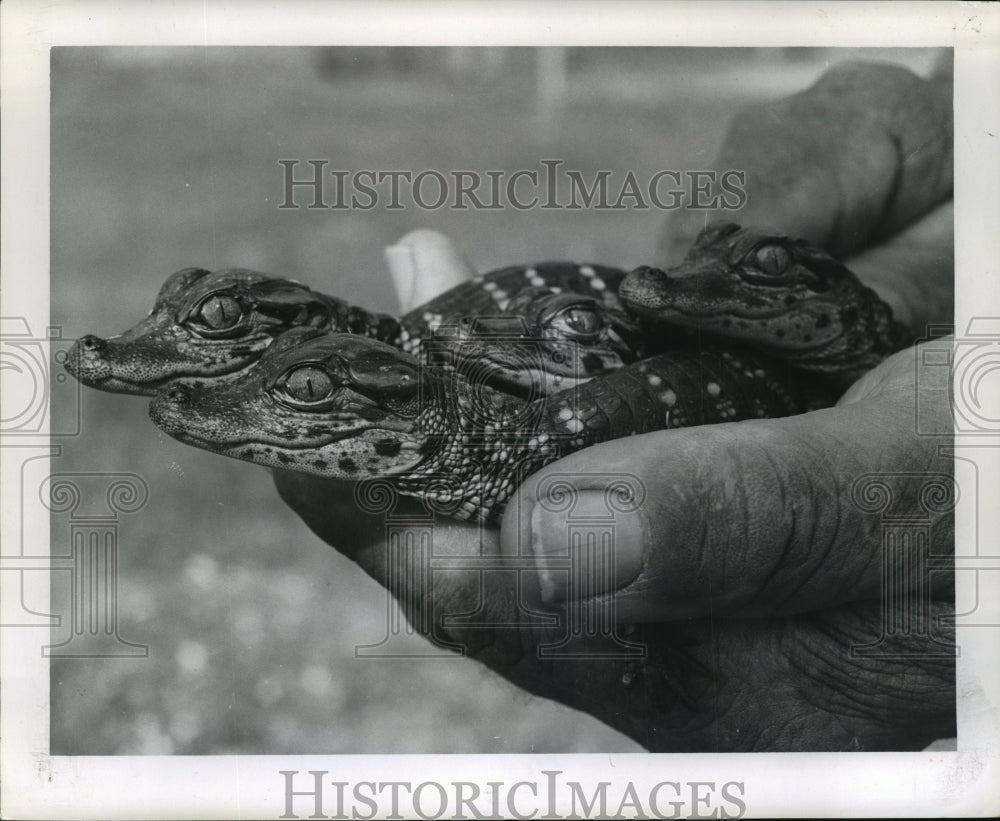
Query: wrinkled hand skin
{"type": "Point", "coordinates": [719, 681]}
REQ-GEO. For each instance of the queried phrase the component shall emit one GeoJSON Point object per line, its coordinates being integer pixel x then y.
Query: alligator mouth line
{"type": "Point", "coordinates": [680, 312]}
{"type": "Point", "coordinates": [506, 383]}
{"type": "Point", "coordinates": [154, 340]}
{"type": "Point", "coordinates": [519, 383]}
{"type": "Point", "coordinates": [545, 384]}
{"type": "Point", "coordinates": [114, 383]}
{"type": "Point", "coordinates": [189, 437]}
{"type": "Point", "coordinates": [523, 382]}
{"type": "Point", "coordinates": [693, 321]}
{"type": "Point", "coordinates": [175, 428]}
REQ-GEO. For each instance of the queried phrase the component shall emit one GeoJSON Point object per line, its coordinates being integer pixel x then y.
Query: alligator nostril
{"type": "Point", "coordinates": [179, 394]}
{"type": "Point", "coordinates": [91, 342]}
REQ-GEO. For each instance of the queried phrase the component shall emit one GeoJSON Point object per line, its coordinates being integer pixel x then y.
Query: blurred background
{"type": "Point", "coordinates": [164, 158]}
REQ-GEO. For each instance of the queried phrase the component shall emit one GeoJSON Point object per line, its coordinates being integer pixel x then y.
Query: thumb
{"type": "Point", "coordinates": [746, 519]}
{"type": "Point", "coordinates": [423, 264]}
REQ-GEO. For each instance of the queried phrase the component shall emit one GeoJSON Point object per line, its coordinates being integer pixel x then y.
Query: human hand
{"type": "Point", "coordinates": [703, 678]}
{"type": "Point", "coordinates": [757, 518]}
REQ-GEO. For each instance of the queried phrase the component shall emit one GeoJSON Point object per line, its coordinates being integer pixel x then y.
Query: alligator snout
{"type": "Point", "coordinates": [122, 364]}
{"type": "Point", "coordinates": [644, 287]}
{"type": "Point", "coordinates": [86, 360]}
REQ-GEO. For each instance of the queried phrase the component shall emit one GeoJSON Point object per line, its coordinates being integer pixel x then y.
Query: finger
{"type": "Point", "coordinates": [328, 507]}
{"type": "Point", "coordinates": [751, 518]}
{"type": "Point", "coordinates": [423, 264]}
{"type": "Point", "coordinates": [914, 271]}
{"type": "Point", "coordinates": [795, 684]}
{"type": "Point", "coordinates": [798, 684]}
{"type": "Point", "coordinates": [846, 163]}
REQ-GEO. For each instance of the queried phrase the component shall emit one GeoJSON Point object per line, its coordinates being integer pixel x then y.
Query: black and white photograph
{"type": "Point", "coordinates": [458, 413]}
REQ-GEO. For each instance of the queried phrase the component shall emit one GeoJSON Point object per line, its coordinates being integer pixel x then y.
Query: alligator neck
{"type": "Point", "coordinates": [870, 334]}
{"type": "Point", "coordinates": [349, 318]}
{"type": "Point", "coordinates": [480, 444]}
{"type": "Point", "coordinates": [477, 445]}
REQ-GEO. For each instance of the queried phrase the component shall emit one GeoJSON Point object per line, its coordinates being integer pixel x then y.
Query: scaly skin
{"type": "Point", "coordinates": [347, 407]}
{"type": "Point", "coordinates": [780, 295]}
{"type": "Point", "coordinates": [544, 342]}
{"type": "Point", "coordinates": [492, 294]}
{"type": "Point", "coordinates": [208, 326]}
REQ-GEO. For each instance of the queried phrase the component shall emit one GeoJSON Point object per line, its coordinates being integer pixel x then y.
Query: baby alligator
{"type": "Point", "coordinates": [349, 407]}
{"type": "Point", "coordinates": [207, 326]}
{"type": "Point", "coordinates": [783, 296]}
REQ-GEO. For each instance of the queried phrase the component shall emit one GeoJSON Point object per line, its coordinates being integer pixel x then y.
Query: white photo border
{"type": "Point", "coordinates": [928, 784]}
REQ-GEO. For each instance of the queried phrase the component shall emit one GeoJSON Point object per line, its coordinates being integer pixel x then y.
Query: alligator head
{"type": "Point", "coordinates": [782, 295]}
{"type": "Point", "coordinates": [349, 408]}
{"type": "Point", "coordinates": [209, 326]}
{"type": "Point", "coordinates": [542, 343]}
{"type": "Point", "coordinates": [340, 406]}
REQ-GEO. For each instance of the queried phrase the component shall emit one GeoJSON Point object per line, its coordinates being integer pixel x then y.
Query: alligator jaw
{"type": "Point", "coordinates": [347, 449]}
{"type": "Point", "coordinates": [145, 366]}
{"type": "Point", "coordinates": [673, 313]}
{"type": "Point", "coordinates": [113, 384]}
{"type": "Point", "coordinates": [350, 456]}
{"type": "Point", "coordinates": [101, 375]}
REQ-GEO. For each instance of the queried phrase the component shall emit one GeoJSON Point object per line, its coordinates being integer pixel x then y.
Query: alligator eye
{"type": "Point", "coordinates": [307, 384]}
{"type": "Point", "coordinates": [579, 320]}
{"type": "Point", "coordinates": [771, 260]}
{"type": "Point", "coordinates": [219, 313]}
